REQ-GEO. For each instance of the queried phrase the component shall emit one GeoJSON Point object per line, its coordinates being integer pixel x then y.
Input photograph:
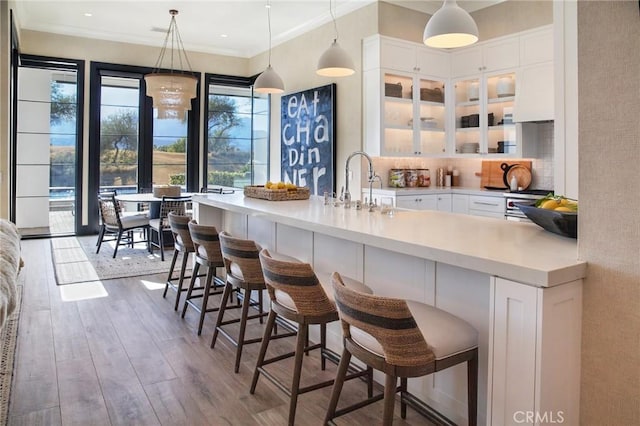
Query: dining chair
{"type": "Point", "coordinates": [161, 224]}
{"type": "Point", "coordinates": [113, 222]}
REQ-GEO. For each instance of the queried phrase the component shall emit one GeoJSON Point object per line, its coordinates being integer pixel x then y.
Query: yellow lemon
{"type": "Point", "coordinates": [563, 209]}
{"type": "Point", "coordinates": [291, 186]}
{"type": "Point", "coordinates": [549, 205]}
{"type": "Point", "coordinates": [281, 185]}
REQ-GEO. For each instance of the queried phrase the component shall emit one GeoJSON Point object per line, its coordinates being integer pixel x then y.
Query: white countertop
{"type": "Point", "coordinates": [517, 251]}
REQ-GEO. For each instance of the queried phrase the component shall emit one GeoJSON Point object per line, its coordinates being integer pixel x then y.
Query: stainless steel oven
{"type": "Point", "coordinates": [511, 210]}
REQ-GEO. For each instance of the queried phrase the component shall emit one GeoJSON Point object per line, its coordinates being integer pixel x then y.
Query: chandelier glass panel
{"type": "Point", "coordinates": [172, 90]}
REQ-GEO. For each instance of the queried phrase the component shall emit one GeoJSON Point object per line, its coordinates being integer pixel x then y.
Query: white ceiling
{"type": "Point", "coordinates": [202, 23]}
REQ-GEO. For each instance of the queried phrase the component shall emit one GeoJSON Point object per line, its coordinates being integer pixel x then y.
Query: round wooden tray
{"type": "Point", "coordinates": [522, 174]}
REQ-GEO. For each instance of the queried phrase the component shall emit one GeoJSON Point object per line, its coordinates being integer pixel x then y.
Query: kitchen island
{"type": "Point", "coordinates": [520, 286]}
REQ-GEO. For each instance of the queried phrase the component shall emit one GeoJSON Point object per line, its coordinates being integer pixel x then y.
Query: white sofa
{"type": "Point", "coordinates": [10, 264]}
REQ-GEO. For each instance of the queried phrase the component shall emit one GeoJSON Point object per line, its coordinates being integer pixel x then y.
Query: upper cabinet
{"type": "Point", "coordinates": [489, 57]}
{"type": "Point", "coordinates": [404, 98]}
{"type": "Point", "coordinates": [535, 90]}
{"type": "Point", "coordinates": [419, 101]}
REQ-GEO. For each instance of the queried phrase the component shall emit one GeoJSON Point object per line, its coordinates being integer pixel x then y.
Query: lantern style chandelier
{"type": "Point", "coordinates": [335, 61]}
{"type": "Point", "coordinates": [172, 91]}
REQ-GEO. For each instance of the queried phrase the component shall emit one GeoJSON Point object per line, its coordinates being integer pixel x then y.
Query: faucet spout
{"type": "Point", "coordinates": [370, 179]}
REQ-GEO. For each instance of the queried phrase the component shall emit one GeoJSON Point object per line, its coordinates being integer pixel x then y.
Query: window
{"type": "Point", "coordinates": [130, 147]}
{"type": "Point", "coordinates": [237, 133]}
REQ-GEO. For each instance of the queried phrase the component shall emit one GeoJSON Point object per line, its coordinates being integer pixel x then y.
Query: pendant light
{"type": "Point", "coordinates": [269, 81]}
{"type": "Point", "coordinates": [451, 26]}
{"type": "Point", "coordinates": [335, 61]}
{"type": "Point", "coordinates": [172, 91]}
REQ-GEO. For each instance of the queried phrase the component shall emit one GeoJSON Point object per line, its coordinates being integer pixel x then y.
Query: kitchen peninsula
{"type": "Point", "coordinates": [520, 286]}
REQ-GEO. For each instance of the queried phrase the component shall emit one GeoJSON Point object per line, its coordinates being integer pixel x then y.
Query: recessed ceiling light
{"type": "Point", "coordinates": [88, 14]}
{"type": "Point", "coordinates": [224, 35]}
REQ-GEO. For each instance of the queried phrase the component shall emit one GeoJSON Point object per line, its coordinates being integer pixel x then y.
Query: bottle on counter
{"type": "Point", "coordinates": [455, 178]}
{"type": "Point", "coordinates": [513, 185]}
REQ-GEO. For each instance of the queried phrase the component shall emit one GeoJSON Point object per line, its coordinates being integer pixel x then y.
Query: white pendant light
{"type": "Point", "coordinates": [172, 91]}
{"type": "Point", "coordinates": [269, 81]}
{"type": "Point", "coordinates": [335, 61]}
{"type": "Point", "coordinates": [451, 26]}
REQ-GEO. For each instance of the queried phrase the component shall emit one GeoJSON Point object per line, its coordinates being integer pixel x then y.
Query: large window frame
{"type": "Point", "coordinates": [145, 154]}
{"type": "Point", "coordinates": [236, 82]}
{"type": "Point", "coordinates": [51, 63]}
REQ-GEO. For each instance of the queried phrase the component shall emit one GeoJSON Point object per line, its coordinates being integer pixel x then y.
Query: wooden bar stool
{"type": "Point", "coordinates": [182, 245]}
{"type": "Point", "coordinates": [389, 335]}
{"type": "Point", "coordinates": [244, 272]}
{"type": "Point", "coordinates": [208, 254]}
{"type": "Point", "coordinates": [297, 295]}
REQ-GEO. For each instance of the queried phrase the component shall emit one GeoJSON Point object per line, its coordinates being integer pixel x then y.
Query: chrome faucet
{"type": "Point", "coordinates": [371, 178]}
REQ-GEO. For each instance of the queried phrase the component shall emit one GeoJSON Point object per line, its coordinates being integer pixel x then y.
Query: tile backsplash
{"type": "Point", "coordinates": [541, 173]}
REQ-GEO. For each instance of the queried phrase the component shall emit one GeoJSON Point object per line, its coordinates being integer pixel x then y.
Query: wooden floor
{"type": "Point", "coordinates": [116, 353]}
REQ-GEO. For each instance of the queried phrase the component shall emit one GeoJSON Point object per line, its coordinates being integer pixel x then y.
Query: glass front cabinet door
{"type": "Point", "coordinates": [483, 115]}
{"type": "Point", "coordinates": [413, 116]}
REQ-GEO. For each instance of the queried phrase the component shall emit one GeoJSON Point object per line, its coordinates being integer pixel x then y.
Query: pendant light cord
{"type": "Point", "coordinates": [176, 39]}
{"type": "Point", "coordinates": [269, 21]}
{"type": "Point", "coordinates": [333, 18]}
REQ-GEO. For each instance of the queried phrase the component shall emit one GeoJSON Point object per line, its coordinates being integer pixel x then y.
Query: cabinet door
{"type": "Point", "coordinates": [433, 63]}
{"type": "Point", "coordinates": [443, 202]}
{"type": "Point", "coordinates": [535, 96]}
{"type": "Point", "coordinates": [501, 55]}
{"type": "Point", "coordinates": [536, 48]}
{"type": "Point", "coordinates": [468, 107]}
{"type": "Point", "coordinates": [397, 55]}
{"type": "Point", "coordinates": [398, 115]}
{"type": "Point", "coordinates": [501, 136]}
{"type": "Point", "coordinates": [512, 350]}
{"type": "Point", "coordinates": [430, 123]}
{"type": "Point", "coordinates": [417, 202]}
{"type": "Point", "coordinates": [460, 203]}
{"type": "Point", "coordinates": [466, 62]}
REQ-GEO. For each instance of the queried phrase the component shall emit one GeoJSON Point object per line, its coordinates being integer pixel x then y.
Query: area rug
{"type": "Point", "coordinates": [75, 260]}
{"type": "Point", "coordinates": [8, 340]}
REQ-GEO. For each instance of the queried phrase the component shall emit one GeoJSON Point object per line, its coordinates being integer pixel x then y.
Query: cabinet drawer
{"type": "Point", "coordinates": [486, 204]}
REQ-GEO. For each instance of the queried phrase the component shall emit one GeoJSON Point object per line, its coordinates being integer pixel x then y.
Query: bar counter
{"type": "Point", "coordinates": [518, 285]}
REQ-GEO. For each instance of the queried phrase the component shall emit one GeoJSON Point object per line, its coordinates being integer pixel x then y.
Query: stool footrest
{"type": "Point", "coordinates": [425, 409]}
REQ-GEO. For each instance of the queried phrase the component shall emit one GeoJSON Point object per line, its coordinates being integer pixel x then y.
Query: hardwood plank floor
{"type": "Point", "coordinates": [120, 355]}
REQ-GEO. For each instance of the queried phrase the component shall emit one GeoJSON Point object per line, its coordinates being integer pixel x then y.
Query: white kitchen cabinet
{"type": "Point", "coordinates": [488, 206]}
{"type": "Point", "coordinates": [460, 203]}
{"type": "Point", "coordinates": [417, 202]}
{"type": "Point", "coordinates": [404, 98]}
{"type": "Point", "coordinates": [404, 56]}
{"type": "Point", "coordinates": [488, 57]}
{"type": "Point", "coordinates": [441, 202]}
{"type": "Point", "coordinates": [534, 335]}
{"type": "Point", "coordinates": [535, 86]}
{"type": "Point", "coordinates": [483, 115]}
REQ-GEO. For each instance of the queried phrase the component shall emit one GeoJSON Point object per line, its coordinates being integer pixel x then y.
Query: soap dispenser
{"type": "Point", "coordinates": [513, 185]}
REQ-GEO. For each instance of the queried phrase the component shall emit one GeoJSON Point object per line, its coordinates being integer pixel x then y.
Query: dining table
{"type": "Point", "coordinates": [153, 201]}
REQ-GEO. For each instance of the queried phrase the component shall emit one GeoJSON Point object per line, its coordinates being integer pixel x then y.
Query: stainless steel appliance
{"type": "Point", "coordinates": [512, 212]}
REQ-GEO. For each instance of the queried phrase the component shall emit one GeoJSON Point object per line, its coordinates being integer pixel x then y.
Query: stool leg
{"type": "Point", "coordinates": [260, 305]}
{"type": "Point", "coordinates": [192, 283]}
{"type": "Point", "coordinates": [228, 288]}
{"type": "Point", "coordinates": [472, 389]}
{"type": "Point", "coordinates": [403, 390]}
{"type": "Point", "coordinates": [243, 326]}
{"type": "Point", "coordinates": [390, 384]}
{"type": "Point", "coordinates": [161, 241]}
{"type": "Point", "coordinates": [170, 274]}
{"type": "Point", "coordinates": [369, 382]}
{"type": "Point", "coordinates": [205, 298]}
{"type": "Point", "coordinates": [303, 333]}
{"type": "Point", "coordinates": [323, 345]}
{"type": "Point", "coordinates": [337, 385]}
{"type": "Point", "coordinates": [183, 269]}
{"type": "Point", "coordinates": [271, 320]}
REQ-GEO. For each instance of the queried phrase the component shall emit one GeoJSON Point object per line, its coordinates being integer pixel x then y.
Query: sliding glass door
{"type": "Point", "coordinates": [48, 145]}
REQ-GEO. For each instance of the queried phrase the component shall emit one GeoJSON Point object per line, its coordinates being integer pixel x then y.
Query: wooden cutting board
{"type": "Point", "coordinates": [492, 174]}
